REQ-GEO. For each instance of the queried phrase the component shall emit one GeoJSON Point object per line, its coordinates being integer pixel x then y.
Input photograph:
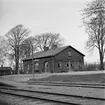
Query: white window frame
{"type": "Point", "coordinates": [28, 68]}
{"type": "Point", "coordinates": [46, 66]}
{"type": "Point", "coordinates": [60, 65]}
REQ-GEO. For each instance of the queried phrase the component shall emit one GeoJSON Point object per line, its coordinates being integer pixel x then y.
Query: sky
{"type": "Point", "coordinates": [41, 16]}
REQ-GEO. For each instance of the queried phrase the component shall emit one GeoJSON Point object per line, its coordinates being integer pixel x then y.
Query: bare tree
{"type": "Point", "coordinates": [94, 21]}
{"type": "Point", "coordinates": [48, 40]}
{"type": "Point", "coordinates": [3, 50]}
{"type": "Point", "coordinates": [15, 37]}
{"type": "Point", "coordinates": [26, 47]}
{"type": "Point", "coordinates": [11, 58]}
{"type": "Point", "coordinates": [29, 45]}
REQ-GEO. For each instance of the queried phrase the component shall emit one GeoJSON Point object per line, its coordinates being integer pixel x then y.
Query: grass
{"type": "Point", "coordinates": [95, 78]}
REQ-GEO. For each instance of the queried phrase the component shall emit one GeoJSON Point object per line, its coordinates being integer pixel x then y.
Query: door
{"type": "Point", "coordinates": [68, 65]}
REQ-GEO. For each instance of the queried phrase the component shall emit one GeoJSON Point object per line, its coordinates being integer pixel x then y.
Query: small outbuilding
{"type": "Point", "coordinates": [5, 70]}
{"type": "Point", "coordinates": [57, 59]}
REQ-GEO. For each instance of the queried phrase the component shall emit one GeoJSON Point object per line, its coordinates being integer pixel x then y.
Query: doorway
{"type": "Point", "coordinates": [69, 65]}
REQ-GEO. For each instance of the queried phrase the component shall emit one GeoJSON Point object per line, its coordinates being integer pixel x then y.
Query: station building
{"type": "Point", "coordinates": [55, 60]}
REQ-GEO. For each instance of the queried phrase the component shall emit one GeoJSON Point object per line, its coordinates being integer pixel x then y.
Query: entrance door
{"type": "Point", "coordinates": [68, 65]}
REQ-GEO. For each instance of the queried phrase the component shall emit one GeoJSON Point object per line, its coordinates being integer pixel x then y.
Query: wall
{"type": "Point", "coordinates": [41, 62]}
{"type": "Point", "coordinates": [76, 60]}
{"type": "Point", "coordinates": [25, 63]}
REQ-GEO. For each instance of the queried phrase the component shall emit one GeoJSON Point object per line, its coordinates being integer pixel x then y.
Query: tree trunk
{"type": "Point", "coordinates": [17, 61]}
{"type": "Point", "coordinates": [101, 61]}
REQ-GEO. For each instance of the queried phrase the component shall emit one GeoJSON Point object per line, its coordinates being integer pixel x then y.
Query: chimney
{"type": "Point", "coordinates": [46, 48]}
{"type": "Point", "coordinates": [54, 47]}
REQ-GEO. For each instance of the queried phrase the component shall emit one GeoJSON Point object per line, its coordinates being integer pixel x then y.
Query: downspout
{"type": "Point", "coordinates": [32, 61]}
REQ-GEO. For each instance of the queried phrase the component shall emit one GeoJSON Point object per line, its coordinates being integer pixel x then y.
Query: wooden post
{"type": "Point", "coordinates": [32, 61]}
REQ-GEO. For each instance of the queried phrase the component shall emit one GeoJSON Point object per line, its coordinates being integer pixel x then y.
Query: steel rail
{"type": "Point", "coordinates": [69, 84]}
{"type": "Point", "coordinates": [42, 95]}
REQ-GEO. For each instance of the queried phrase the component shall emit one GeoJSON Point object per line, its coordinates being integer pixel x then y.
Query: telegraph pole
{"type": "Point", "coordinates": [32, 60]}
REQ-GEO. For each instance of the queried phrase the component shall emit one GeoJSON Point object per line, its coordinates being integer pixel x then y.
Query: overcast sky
{"type": "Point", "coordinates": [58, 16]}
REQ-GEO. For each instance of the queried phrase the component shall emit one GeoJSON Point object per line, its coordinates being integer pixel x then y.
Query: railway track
{"type": "Point", "coordinates": [68, 84]}
{"type": "Point", "coordinates": [53, 97]}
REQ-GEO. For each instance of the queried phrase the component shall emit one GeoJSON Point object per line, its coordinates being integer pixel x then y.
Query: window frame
{"type": "Point", "coordinates": [28, 67]}
{"type": "Point", "coordinates": [68, 65]}
{"type": "Point", "coordinates": [36, 66]}
{"type": "Point", "coordinates": [69, 53]}
{"type": "Point", "coordinates": [46, 64]}
{"type": "Point", "coordinates": [60, 65]}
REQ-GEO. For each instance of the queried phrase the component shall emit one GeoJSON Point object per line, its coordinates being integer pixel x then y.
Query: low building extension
{"type": "Point", "coordinates": [55, 60]}
{"type": "Point", "coordinates": [5, 70]}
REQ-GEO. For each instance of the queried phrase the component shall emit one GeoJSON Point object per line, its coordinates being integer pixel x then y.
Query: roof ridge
{"type": "Point", "coordinates": [51, 49]}
{"type": "Point", "coordinates": [50, 52]}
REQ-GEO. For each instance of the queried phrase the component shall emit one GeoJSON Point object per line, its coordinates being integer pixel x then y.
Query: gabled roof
{"type": "Point", "coordinates": [50, 52]}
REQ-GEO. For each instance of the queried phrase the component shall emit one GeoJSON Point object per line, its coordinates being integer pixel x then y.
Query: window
{"type": "Point", "coordinates": [80, 64]}
{"type": "Point", "coordinates": [46, 64]}
{"type": "Point", "coordinates": [59, 65]}
{"type": "Point", "coordinates": [72, 64]}
{"type": "Point", "coordinates": [28, 67]}
{"type": "Point", "coordinates": [69, 53]}
{"type": "Point", "coordinates": [67, 64]}
{"type": "Point", "coordinates": [36, 66]}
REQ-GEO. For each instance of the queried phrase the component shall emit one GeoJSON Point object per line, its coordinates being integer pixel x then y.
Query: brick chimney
{"type": "Point", "coordinates": [54, 47]}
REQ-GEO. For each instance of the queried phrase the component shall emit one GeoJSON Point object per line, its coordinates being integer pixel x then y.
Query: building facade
{"type": "Point", "coordinates": [57, 59]}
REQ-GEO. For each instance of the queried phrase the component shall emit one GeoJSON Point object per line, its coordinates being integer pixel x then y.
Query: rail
{"type": "Point", "coordinates": [51, 96]}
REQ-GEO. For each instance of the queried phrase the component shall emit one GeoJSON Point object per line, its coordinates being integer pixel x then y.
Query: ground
{"type": "Point", "coordinates": [93, 77]}
{"type": "Point", "coordinates": [89, 76]}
